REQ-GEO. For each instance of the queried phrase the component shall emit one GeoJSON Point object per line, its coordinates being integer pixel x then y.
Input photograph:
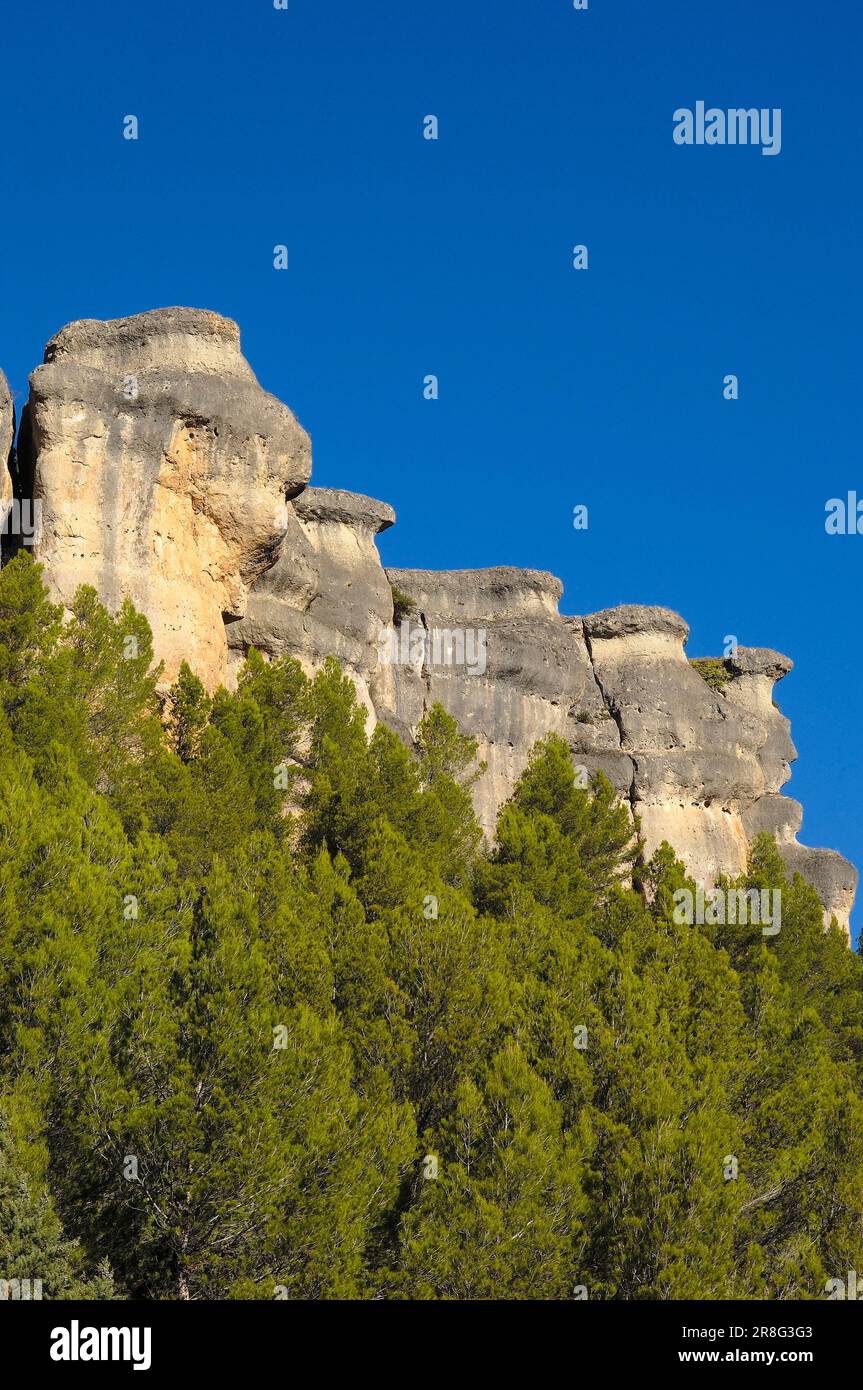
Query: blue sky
{"type": "Point", "coordinates": [409, 257]}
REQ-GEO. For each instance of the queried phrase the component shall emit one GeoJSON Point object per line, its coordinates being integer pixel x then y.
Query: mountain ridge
{"type": "Point", "coordinates": [165, 474]}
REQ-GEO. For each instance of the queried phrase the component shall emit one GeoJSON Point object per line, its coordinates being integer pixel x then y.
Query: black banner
{"type": "Point", "coordinates": [86, 1339]}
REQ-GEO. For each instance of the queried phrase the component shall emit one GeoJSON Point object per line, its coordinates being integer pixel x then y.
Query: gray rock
{"type": "Point", "coordinates": [332, 505]}
{"type": "Point", "coordinates": [537, 676]}
{"type": "Point", "coordinates": [832, 877]}
{"type": "Point", "coordinates": [631, 618]}
{"type": "Point", "coordinates": [326, 594]}
{"type": "Point", "coordinates": [779, 815]}
{"type": "Point", "coordinates": [760, 661]}
{"type": "Point", "coordinates": [701, 768]}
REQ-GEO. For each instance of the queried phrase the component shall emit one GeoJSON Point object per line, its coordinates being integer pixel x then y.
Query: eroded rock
{"type": "Point", "coordinates": [326, 594]}
{"type": "Point", "coordinates": [536, 678]}
{"type": "Point", "coordinates": [700, 767]}
{"type": "Point", "coordinates": [163, 471]}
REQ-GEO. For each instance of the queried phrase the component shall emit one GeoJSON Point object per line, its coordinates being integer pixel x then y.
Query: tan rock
{"type": "Point", "coordinates": [164, 473]}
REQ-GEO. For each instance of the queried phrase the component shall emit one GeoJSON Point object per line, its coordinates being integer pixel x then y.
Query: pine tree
{"type": "Point", "coordinates": [36, 1260]}
{"type": "Point", "coordinates": [189, 713]}
{"type": "Point", "coordinates": [500, 1207]}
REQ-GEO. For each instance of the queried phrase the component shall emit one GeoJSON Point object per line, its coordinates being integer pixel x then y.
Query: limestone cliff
{"type": "Point", "coordinates": [166, 474]}
{"type": "Point", "coordinates": [326, 594]}
{"type": "Point", "coordinates": [163, 472]}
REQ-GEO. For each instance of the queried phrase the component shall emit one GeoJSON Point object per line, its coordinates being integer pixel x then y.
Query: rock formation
{"type": "Point", "coordinates": [326, 594]}
{"type": "Point", "coordinates": [699, 767]}
{"type": "Point", "coordinates": [167, 475]}
{"type": "Point", "coordinates": [163, 472]}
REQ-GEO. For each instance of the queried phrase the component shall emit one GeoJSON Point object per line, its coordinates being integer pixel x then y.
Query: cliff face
{"type": "Point", "coordinates": [166, 474]}
{"type": "Point", "coordinates": [326, 594]}
{"type": "Point", "coordinates": [163, 472]}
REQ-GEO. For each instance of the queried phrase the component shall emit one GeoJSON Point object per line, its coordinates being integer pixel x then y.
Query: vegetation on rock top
{"type": "Point", "coordinates": [712, 669]}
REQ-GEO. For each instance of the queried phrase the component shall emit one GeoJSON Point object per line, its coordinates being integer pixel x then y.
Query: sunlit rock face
{"type": "Point", "coordinates": [700, 757]}
{"type": "Point", "coordinates": [163, 472]}
{"type": "Point", "coordinates": [708, 765]}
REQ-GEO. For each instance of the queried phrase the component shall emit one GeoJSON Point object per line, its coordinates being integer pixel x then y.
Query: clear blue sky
{"type": "Point", "coordinates": [410, 257]}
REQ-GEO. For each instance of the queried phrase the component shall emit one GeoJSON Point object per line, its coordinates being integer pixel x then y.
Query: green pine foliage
{"type": "Point", "coordinates": [713, 669]}
{"type": "Point", "coordinates": [34, 1253]}
{"type": "Point", "coordinates": [276, 1023]}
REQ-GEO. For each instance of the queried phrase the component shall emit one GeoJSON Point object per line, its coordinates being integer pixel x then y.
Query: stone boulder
{"type": "Point", "coordinates": [700, 767]}
{"type": "Point", "coordinates": [696, 753]}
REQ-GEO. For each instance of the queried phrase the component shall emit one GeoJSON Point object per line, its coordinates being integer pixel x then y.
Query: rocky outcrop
{"type": "Point", "coordinates": [699, 756]}
{"type": "Point", "coordinates": [163, 472]}
{"type": "Point", "coordinates": [708, 764]}
{"type": "Point", "coordinates": [166, 475]}
{"type": "Point", "coordinates": [326, 594]}
{"type": "Point", "coordinates": [521, 672]}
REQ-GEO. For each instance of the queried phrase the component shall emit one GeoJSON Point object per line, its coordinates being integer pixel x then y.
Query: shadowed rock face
{"type": "Point", "coordinates": [167, 475]}
{"type": "Point", "coordinates": [163, 471]}
{"type": "Point", "coordinates": [326, 594]}
{"type": "Point", "coordinates": [537, 676]}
